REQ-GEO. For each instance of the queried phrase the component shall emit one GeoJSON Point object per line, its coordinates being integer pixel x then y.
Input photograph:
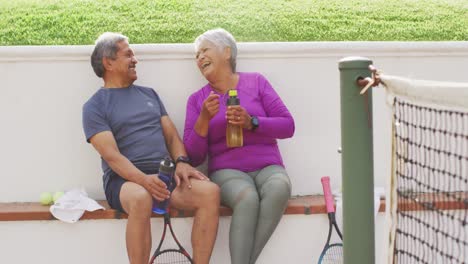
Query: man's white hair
{"type": "Point", "coordinates": [105, 47]}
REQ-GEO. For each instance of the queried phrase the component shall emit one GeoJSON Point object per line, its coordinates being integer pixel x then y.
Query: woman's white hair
{"type": "Point", "coordinates": [222, 39]}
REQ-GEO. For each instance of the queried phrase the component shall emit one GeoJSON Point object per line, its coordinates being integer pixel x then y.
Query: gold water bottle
{"type": "Point", "coordinates": [234, 136]}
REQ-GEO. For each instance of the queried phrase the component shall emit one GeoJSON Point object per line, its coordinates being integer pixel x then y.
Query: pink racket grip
{"type": "Point", "coordinates": [327, 192]}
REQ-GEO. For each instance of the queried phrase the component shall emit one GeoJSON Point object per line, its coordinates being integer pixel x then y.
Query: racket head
{"type": "Point", "coordinates": [171, 256]}
{"type": "Point", "coordinates": [332, 254]}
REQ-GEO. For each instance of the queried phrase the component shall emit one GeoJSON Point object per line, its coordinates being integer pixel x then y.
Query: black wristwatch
{"type": "Point", "coordinates": [254, 122]}
{"type": "Point", "coordinates": [183, 159]}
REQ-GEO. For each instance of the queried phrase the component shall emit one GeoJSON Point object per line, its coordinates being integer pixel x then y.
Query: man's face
{"type": "Point", "coordinates": [124, 65]}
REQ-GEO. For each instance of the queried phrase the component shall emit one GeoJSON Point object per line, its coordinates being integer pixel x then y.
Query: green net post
{"type": "Point", "coordinates": [357, 163]}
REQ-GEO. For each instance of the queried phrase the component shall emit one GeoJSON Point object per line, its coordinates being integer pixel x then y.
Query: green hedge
{"type": "Point", "coordinates": [77, 22]}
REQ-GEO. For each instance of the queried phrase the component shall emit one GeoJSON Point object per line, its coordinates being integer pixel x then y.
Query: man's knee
{"type": "Point", "coordinates": [136, 199]}
{"type": "Point", "coordinates": [209, 194]}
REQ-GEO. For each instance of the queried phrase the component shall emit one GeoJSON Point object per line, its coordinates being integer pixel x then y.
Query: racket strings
{"type": "Point", "coordinates": [172, 257]}
{"type": "Point", "coordinates": [333, 255]}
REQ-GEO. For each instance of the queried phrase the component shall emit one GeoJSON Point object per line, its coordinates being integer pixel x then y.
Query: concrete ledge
{"type": "Point", "coordinates": [311, 204]}
{"type": "Point", "coordinates": [248, 50]}
{"type": "Point", "coordinates": [299, 205]}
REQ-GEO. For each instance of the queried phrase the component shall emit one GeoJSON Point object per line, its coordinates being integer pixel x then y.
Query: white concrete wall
{"type": "Point", "coordinates": [299, 239]}
{"type": "Point", "coordinates": [43, 147]}
{"type": "Point", "coordinates": [43, 89]}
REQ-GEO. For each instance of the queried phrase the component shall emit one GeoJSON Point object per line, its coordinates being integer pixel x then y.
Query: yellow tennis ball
{"type": "Point", "coordinates": [57, 196]}
{"type": "Point", "coordinates": [46, 198]}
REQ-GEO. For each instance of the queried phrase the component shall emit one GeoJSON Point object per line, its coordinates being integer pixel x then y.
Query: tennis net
{"type": "Point", "coordinates": [429, 184]}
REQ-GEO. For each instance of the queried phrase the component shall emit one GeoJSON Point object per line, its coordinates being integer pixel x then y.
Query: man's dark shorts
{"type": "Point", "coordinates": [115, 182]}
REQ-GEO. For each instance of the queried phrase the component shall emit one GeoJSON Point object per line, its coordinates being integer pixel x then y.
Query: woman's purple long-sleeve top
{"type": "Point", "coordinates": [260, 148]}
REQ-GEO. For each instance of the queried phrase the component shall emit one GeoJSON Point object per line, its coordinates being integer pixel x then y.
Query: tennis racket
{"type": "Point", "coordinates": [173, 255]}
{"type": "Point", "coordinates": [331, 253]}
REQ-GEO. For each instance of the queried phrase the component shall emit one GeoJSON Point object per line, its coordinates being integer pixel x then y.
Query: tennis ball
{"type": "Point", "coordinates": [46, 198]}
{"type": "Point", "coordinates": [57, 196]}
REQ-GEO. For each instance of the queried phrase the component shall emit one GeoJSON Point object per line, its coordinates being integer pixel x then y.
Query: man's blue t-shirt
{"type": "Point", "coordinates": [133, 115]}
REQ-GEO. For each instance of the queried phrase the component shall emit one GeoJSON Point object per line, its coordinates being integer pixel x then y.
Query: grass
{"type": "Point", "coordinates": [77, 22]}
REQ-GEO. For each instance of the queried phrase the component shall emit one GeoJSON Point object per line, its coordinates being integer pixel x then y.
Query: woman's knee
{"type": "Point", "coordinates": [277, 187]}
{"type": "Point", "coordinates": [247, 198]}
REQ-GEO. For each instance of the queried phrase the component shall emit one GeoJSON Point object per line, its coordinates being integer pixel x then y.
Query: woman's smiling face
{"type": "Point", "coordinates": [210, 58]}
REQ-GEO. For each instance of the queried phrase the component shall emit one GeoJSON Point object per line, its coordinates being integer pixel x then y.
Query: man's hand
{"type": "Point", "coordinates": [156, 187]}
{"type": "Point", "coordinates": [184, 172]}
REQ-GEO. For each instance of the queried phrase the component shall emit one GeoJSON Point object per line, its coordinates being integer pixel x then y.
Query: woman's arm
{"type": "Point", "coordinates": [195, 132]}
{"type": "Point", "coordinates": [278, 122]}
{"type": "Point", "coordinates": [176, 148]}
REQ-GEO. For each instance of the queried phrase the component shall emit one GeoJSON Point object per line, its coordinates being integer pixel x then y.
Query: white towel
{"type": "Point", "coordinates": [72, 205]}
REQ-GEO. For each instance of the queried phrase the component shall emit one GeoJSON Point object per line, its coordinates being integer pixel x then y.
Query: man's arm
{"type": "Point", "coordinates": [104, 142]}
{"type": "Point", "coordinates": [176, 149]}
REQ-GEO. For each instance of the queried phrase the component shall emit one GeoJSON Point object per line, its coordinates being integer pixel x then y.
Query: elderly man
{"type": "Point", "coordinates": [129, 127]}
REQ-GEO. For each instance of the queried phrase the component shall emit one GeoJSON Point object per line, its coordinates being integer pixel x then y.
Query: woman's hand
{"type": "Point", "coordinates": [210, 106]}
{"type": "Point", "coordinates": [237, 115]}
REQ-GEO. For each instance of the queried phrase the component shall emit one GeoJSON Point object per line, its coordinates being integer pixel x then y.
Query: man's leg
{"type": "Point", "coordinates": [137, 202]}
{"type": "Point", "coordinates": [204, 198]}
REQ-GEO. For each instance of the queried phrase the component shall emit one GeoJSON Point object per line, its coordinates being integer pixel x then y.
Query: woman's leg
{"type": "Point", "coordinates": [239, 193]}
{"type": "Point", "coordinates": [274, 189]}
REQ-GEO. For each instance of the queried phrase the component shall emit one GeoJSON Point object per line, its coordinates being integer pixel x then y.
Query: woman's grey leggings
{"type": "Point", "coordinates": [258, 200]}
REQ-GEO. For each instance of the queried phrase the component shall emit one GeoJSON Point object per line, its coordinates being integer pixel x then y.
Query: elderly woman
{"type": "Point", "coordinates": [252, 178]}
